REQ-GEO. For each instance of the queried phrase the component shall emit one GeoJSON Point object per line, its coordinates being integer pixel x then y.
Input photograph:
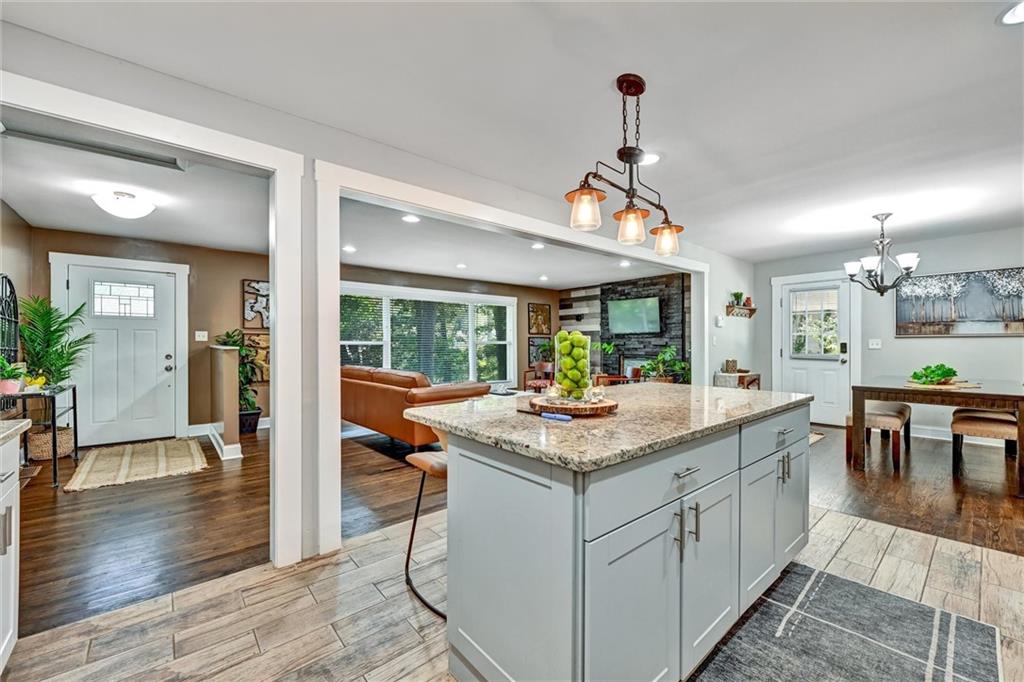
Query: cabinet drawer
{"type": "Point", "coordinates": [617, 495]}
{"type": "Point", "coordinates": [9, 465]}
{"type": "Point", "coordinates": [765, 436]}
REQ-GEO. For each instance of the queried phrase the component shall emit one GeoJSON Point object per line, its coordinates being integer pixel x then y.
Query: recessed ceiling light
{"type": "Point", "coordinates": [1014, 15]}
{"type": "Point", "coordinates": [348, 248]}
{"type": "Point", "coordinates": [460, 266]}
{"type": "Point", "coordinates": [624, 263]}
{"type": "Point", "coordinates": [410, 218]}
{"type": "Point", "coordinates": [650, 158]}
{"type": "Point", "coordinates": [543, 278]}
{"type": "Point", "coordinates": [123, 204]}
{"type": "Point", "coordinates": [537, 245]}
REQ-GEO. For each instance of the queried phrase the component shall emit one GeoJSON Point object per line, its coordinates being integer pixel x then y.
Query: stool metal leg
{"type": "Point", "coordinates": [408, 554]}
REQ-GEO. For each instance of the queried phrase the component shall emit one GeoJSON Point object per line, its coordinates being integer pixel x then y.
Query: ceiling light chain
{"type": "Point", "coordinates": [586, 212]}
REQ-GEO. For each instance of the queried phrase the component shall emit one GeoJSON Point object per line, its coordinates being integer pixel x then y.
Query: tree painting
{"type": "Point", "coordinates": [979, 303]}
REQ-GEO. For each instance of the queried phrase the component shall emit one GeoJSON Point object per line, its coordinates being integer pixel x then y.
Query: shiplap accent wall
{"type": "Point", "coordinates": [580, 310]}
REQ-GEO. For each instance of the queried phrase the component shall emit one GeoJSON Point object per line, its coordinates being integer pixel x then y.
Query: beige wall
{"type": "Point", "coordinates": [523, 295]}
{"type": "Point", "coordinates": [15, 248]}
{"type": "Point", "coordinates": [214, 292]}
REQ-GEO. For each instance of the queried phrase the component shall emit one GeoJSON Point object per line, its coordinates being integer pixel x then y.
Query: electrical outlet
{"type": "Point", "coordinates": [202, 335]}
{"type": "Point", "coordinates": [874, 344]}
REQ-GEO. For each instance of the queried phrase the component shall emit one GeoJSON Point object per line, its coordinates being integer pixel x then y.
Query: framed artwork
{"type": "Point", "coordinates": [535, 343]}
{"type": "Point", "coordinates": [255, 304]}
{"type": "Point", "coordinates": [260, 343]}
{"type": "Point", "coordinates": [540, 319]}
{"type": "Point", "coordinates": [956, 304]}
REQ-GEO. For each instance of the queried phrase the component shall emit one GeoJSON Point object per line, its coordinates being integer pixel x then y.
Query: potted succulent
{"type": "Point", "coordinates": [666, 367]}
{"type": "Point", "coordinates": [248, 411]}
{"type": "Point", "coordinates": [10, 377]}
{"type": "Point", "coordinates": [737, 297]}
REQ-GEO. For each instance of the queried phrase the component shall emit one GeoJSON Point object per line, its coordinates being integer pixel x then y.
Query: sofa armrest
{"type": "Point", "coordinates": [446, 393]}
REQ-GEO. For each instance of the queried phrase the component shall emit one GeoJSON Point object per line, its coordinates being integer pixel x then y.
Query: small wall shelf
{"type": "Point", "coordinates": [739, 311]}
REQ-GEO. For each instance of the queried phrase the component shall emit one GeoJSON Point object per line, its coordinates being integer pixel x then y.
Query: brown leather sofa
{"type": "Point", "coordinates": [377, 398]}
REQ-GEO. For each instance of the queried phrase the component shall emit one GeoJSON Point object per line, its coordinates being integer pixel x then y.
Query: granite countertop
{"type": "Point", "coordinates": [10, 428]}
{"type": "Point", "coordinates": [650, 417]}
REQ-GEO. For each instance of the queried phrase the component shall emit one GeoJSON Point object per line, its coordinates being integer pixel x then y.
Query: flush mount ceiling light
{"type": "Point", "coordinates": [650, 158]}
{"type": "Point", "coordinates": [874, 267]}
{"type": "Point", "coordinates": [1014, 15]}
{"type": "Point", "coordinates": [624, 263]}
{"type": "Point", "coordinates": [460, 266]}
{"type": "Point", "coordinates": [585, 199]}
{"type": "Point", "coordinates": [348, 248]}
{"type": "Point", "coordinates": [543, 278]}
{"type": "Point", "coordinates": [410, 218]}
{"type": "Point", "coordinates": [123, 204]}
{"type": "Point", "coordinates": [537, 246]}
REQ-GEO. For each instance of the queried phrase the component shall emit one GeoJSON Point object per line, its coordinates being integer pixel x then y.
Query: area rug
{"type": "Point", "coordinates": [815, 437]}
{"type": "Point", "coordinates": [811, 625]}
{"type": "Point", "coordinates": [25, 475]}
{"type": "Point", "coordinates": [120, 464]}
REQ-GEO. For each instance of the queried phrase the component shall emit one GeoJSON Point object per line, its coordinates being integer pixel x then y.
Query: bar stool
{"type": "Point", "coordinates": [434, 464]}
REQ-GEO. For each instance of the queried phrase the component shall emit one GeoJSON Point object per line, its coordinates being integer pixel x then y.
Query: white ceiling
{"type": "Point", "coordinates": [782, 126]}
{"type": "Point", "coordinates": [51, 186]}
{"type": "Point", "coordinates": [435, 247]}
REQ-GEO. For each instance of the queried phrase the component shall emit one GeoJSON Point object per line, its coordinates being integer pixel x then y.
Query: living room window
{"type": "Point", "coordinates": [448, 336]}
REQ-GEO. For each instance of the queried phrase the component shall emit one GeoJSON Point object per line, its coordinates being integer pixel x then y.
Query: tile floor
{"type": "Point", "coordinates": [348, 616]}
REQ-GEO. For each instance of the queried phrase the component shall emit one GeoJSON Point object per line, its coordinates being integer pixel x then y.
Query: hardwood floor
{"type": "Point", "coordinates": [979, 508]}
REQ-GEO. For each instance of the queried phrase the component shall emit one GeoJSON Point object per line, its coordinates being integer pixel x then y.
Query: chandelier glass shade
{"type": "Point", "coordinates": [871, 272]}
{"type": "Point", "coordinates": [585, 199]}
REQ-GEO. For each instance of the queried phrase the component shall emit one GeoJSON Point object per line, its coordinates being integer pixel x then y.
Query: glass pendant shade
{"type": "Point", "coordinates": [586, 211]}
{"type": "Point", "coordinates": [666, 240]}
{"type": "Point", "coordinates": [631, 225]}
{"type": "Point", "coordinates": [908, 261]}
{"type": "Point", "coordinates": [852, 267]}
{"type": "Point", "coordinates": [870, 263]}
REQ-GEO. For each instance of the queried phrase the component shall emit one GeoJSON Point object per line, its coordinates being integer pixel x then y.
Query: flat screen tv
{"type": "Point", "coordinates": [634, 316]}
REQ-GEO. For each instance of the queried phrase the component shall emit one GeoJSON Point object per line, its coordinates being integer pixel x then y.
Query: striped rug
{"type": "Point", "coordinates": [120, 464]}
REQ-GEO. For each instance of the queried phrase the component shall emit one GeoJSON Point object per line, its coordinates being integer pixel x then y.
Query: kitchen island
{"type": "Point", "coordinates": [621, 547]}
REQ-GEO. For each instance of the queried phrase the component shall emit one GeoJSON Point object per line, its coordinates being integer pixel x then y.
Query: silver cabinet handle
{"type": "Point", "coordinates": [782, 469]}
{"type": "Point", "coordinates": [785, 432]}
{"type": "Point", "coordinates": [3, 479]}
{"type": "Point", "coordinates": [696, 522]}
{"type": "Point", "coordinates": [8, 523]}
{"type": "Point", "coordinates": [678, 539]}
{"type": "Point", "coordinates": [789, 466]}
{"type": "Point", "coordinates": [687, 472]}
{"type": "Point", "coordinates": [3, 533]}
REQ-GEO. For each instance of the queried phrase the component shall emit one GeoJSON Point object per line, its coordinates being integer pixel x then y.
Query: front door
{"type": "Point", "coordinates": [815, 352]}
{"type": "Point", "coordinates": [126, 382]}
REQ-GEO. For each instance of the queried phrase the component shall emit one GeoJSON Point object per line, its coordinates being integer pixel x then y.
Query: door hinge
{"type": "Point", "coordinates": [67, 284]}
{"type": "Point", "coordinates": [780, 352]}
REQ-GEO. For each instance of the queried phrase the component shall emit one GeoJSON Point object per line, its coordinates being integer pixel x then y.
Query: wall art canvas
{"type": "Point", "coordinates": [540, 319]}
{"type": "Point", "coordinates": [535, 344]}
{"type": "Point", "coordinates": [260, 343]}
{"type": "Point", "coordinates": [255, 304]}
{"type": "Point", "coordinates": [977, 303]}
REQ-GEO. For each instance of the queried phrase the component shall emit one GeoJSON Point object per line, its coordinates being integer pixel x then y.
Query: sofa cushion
{"type": "Point", "coordinates": [402, 379]}
{"type": "Point", "coordinates": [357, 372]}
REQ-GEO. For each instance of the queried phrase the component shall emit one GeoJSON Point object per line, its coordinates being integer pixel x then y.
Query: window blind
{"type": "Point", "coordinates": [491, 324]}
{"type": "Point", "coordinates": [362, 331]}
{"type": "Point", "coordinates": [431, 337]}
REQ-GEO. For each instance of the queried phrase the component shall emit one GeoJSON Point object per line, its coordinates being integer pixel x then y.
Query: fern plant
{"type": "Point", "coordinates": [48, 343]}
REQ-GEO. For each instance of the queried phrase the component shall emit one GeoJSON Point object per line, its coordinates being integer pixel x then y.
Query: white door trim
{"type": "Point", "coordinates": [59, 264]}
{"type": "Point", "coordinates": [855, 320]}
{"type": "Point", "coordinates": [285, 231]}
{"type": "Point", "coordinates": [334, 182]}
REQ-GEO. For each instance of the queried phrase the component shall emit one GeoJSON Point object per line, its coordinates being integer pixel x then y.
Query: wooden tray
{"type": "Point", "coordinates": [955, 386]}
{"type": "Point", "coordinates": [541, 404]}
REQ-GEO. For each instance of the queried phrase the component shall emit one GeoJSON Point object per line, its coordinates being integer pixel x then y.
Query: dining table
{"type": "Point", "coordinates": [983, 394]}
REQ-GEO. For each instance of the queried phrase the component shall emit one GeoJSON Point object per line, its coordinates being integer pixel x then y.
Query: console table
{"type": "Point", "coordinates": [49, 396]}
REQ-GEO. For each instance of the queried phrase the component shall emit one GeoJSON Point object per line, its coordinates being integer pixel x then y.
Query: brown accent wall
{"type": "Point", "coordinates": [214, 293]}
{"type": "Point", "coordinates": [15, 248]}
{"type": "Point", "coordinates": [523, 295]}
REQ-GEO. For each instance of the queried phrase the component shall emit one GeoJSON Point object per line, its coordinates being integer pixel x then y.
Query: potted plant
{"type": "Point", "coordinates": [737, 297]}
{"type": "Point", "coordinates": [248, 411]}
{"type": "Point", "coordinates": [10, 377]}
{"type": "Point", "coordinates": [51, 351]}
{"type": "Point", "coordinates": [666, 367]}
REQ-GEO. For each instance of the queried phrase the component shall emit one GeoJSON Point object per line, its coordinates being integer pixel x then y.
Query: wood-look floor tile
{"type": "Point", "coordinates": [355, 660]}
{"type": "Point", "coordinates": [819, 551]}
{"type": "Point", "coordinates": [42, 666]}
{"type": "Point", "coordinates": [429, 624]}
{"type": "Point", "coordinates": [883, 530]}
{"type": "Point", "coordinates": [123, 665]}
{"type": "Point", "coordinates": [954, 603]}
{"type": "Point", "coordinates": [400, 531]}
{"type": "Point", "coordinates": [1005, 570]}
{"type": "Point", "coordinates": [277, 632]}
{"type": "Point", "coordinates": [851, 571]}
{"type": "Point", "coordinates": [863, 547]}
{"type": "Point", "coordinates": [203, 663]}
{"type": "Point", "coordinates": [367, 623]}
{"type": "Point", "coordinates": [959, 549]}
{"type": "Point", "coordinates": [331, 587]}
{"type": "Point", "coordinates": [217, 630]}
{"type": "Point", "coordinates": [422, 573]}
{"type": "Point", "coordinates": [836, 525]}
{"type": "Point", "coordinates": [372, 552]}
{"type": "Point", "coordinates": [912, 546]}
{"type": "Point", "coordinates": [191, 596]}
{"type": "Point", "coordinates": [900, 577]}
{"type": "Point", "coordinates": [277, 586]}
{"type": "Point", "coordinates": [958, 573]}
{"type": "Point", "coordinates": [431, 551]}
{"type": "Point", "coordinates": [1013, 659]}
{"type": "Point", "coordinates": [1003, 608]}
{"type": "Point", "coordinates": [422, 662]}
{"type": "Point", "coordinates": [815, 514]}
{"type": "Point", "coordinates": [275, 663]}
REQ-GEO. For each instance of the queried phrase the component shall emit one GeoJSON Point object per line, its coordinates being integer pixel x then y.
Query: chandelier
{"type": "Point", "coordinates": [874, 267]}
{"type": "Point", "coordinates": [585, 199]}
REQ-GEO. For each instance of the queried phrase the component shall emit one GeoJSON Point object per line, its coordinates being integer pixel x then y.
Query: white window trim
{"type": "Point", "coordinates": [387, 292]}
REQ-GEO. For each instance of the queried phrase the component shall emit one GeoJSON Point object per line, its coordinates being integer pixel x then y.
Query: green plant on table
{"type": "Point", "coordinates": [9, 372]}
{"type": "Point", "coordinates": [47, 339]}
{"type": "Point", "coordinates": [248, 370]}
{"type": "Point", "coordinates": [934, 374]}
{"type": "Point", "coordinates": [667, 364]}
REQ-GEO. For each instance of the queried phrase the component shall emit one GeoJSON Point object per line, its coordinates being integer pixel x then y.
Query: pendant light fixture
{"type": "Point", "coordinates": [585, 199]}
{"type": "Point", "coordinates": [874, 267]}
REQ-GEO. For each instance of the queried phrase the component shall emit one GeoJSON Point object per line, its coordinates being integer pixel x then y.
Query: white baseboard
{"type": "Point", "coordinates": [943, 433]}
{"type": "Point", "coordinates": [204, 429]}
{"type": "Point", "coordinates": [233, 451]}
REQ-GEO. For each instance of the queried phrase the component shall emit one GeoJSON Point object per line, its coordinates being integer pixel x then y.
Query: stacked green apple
{"type": "Point", "coordinates": [573, 363]}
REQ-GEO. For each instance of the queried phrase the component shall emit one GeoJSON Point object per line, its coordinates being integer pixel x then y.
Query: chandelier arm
{"type": "Point", "coordinates": [853, 278]}
{"type": "Point", "coordinates": [598, 165]}
{"type": "Point", "coordinates": [600, 178]}
{"type": "Point", "coordinates": [641, 183]}
{"type": "Point", "coordinates": [654, 205]}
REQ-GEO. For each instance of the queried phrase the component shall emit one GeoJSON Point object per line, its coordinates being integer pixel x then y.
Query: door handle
{"type": "Point", "coordinates": [696, 522]}
{"type": "Point", "coordinates": [843, 361]}
{"type": "Point", "coordinates": [687, 472]}
{"type": "Point", "coordinates": [168, 368]}
{"type": "Point", "coordinates": [167, 357]}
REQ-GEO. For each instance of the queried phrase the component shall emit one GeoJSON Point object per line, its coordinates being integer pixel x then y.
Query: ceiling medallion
{"type": "Point", "coordinates": [874, 267]}
{"type": "Point", "coordinates": [585, 199]}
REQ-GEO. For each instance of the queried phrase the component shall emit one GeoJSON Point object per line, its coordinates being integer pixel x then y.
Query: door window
{"type": "Point", "coordinates": [814, 324]}
{"type": "Point", "coordinates": [123, 299]}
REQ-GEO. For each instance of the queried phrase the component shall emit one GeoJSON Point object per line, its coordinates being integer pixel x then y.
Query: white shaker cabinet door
{"type": "Point", "coordinates": [9, 516]}
{"type": "Point", "coordinates": [711, 553]}
{"type": "Point", "coordinates": [792, 510]}
{"type": "Point", "coordinates": [631, 600]}
{"type": "Point", "coordinates": [760, 485]}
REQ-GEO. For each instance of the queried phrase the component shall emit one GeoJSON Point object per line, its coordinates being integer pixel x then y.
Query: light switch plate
{"type": "Point", "coordinates": [719, 320]}
{"type": "Point", "coordinates": [202, 335]}
{"type": "Point", "coordinates": [874, 344]}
